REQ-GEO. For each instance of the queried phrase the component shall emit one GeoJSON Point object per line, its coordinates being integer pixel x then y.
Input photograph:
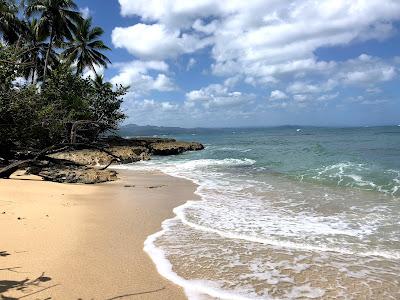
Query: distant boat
{"type": "Point", "coordinates": [298, 129]}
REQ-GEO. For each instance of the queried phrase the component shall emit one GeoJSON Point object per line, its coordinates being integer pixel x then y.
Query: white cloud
{"type": "Point", "coordinates": [374, 90]}
{"type": "Point", "coordinates": [155, 41]}
{"type": "Point", "coordinates": [366, 100]}
{"type": "Point", "coordinates": [264, 43]}
{"type": "Point", "coordinates": [328, 97]}
{"type": "Point", "coordinates": [277, 95]}
{"type": "Point", "coordinates": [174, 13]}
{"type": "Point", "coordinates": [136, 74]}
{"type": "Point", "coordinates": [301, 98]}
{"type": "Point", "coordinates": [190, 63]}
{"type": "Point", "coordinates": [365, 70]}
{"type": "Point", "coordinates": [261, 39]}
{"type": "Point", "coordinates": [217, 95]}
{"type": "Point", "coordinates": [89, 73]}
{"type": "Point", "coordinates": [308, 88]}
{"type": "Point", "coordinates": [85, 11]}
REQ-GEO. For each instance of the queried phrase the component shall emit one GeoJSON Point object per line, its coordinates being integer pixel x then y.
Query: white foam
{"type": "Point", "coordinates": [218, 191]}
{"type": "Point", "coordinates": [193, 288]}
{"type": "Point", "coordinates": [179, 211]}
{"type": "Point", "coordinates": [212, 190]}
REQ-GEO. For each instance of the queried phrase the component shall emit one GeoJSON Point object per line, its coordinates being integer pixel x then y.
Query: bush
{"type": "Point", "coordinates": [30, 118]}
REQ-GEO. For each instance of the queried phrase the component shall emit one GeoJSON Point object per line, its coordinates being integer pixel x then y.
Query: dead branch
{"type": "Point", "coordinates": [109, 164]}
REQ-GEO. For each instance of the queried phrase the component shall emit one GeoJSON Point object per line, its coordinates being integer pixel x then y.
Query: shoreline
{"type": "Point", "coordinates": [80, 241]}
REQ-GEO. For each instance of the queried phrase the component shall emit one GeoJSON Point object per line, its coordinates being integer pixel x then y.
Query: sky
{"type": "Point", "coordinates": [230, 63]}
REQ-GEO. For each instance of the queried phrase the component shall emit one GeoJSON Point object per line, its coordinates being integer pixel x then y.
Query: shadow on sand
{"type": "Point", "coordinates": [24, 286]}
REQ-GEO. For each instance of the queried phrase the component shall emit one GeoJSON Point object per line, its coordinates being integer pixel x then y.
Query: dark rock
{"type": "Point", "coordinates": [77, 175]}
{"type": "Point", "coordinates": [140, 141]}
{"type": "Point", "coordinates": [173, 148]}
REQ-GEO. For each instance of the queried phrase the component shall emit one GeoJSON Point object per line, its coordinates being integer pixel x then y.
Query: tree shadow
{"type": "Point", "coordinates": [23, 286]}
{"type": "Point", "coordinates": [4, 253]}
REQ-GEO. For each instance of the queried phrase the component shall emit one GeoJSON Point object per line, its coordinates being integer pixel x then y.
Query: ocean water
{"type": "Point", "coordinates": [285, 213]}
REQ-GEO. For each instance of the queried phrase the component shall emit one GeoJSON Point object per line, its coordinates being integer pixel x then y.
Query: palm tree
{"type": "Point", "coordinates": [85, 46]}
{"type": "Point", "coordinates": [99, 83]}
{"type": "Point", "coordinates": [57, 20]}
{"type": "Point", "coordinates": [9, 22]}
{"type": "Point", "coordinates": [36, 49]}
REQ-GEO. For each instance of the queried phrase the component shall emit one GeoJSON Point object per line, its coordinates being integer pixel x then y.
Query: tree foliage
{"type": "Point", "coordinates": [84, 47]}
{"type": "Point", "coordinates": [45, 49]}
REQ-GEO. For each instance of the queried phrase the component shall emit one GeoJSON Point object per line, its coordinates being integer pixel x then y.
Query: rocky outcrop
{"type": "Point", "coordinates": [174, 147]}
{"type": "Point", "coordinates": [156, 146]}
{"type": "Point", "coordinates": [76, 166]}
{"type": "Point", "coordinates": [92, 157]}
{"type": "Point", "coordinates": [127, 150]}
{"type": "Point", "coordinates": [70, 174]}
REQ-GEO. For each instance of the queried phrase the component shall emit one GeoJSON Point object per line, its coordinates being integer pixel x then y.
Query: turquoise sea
{"type": "Point", "coordinates": [285, 213]}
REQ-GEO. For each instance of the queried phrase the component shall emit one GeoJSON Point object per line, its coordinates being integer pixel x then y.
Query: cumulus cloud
{"type": "Point", "coordinates": [261, 39]}
{"type": "Point", "coordinates": [217, 95]}
{"type": "Point", "coordinates": [263, 43]}
{"type": "Point", "coordinates": [309, 88]}
{"type": "Point", "coordinates": [155, 41]}
{"type": "Point", "coordinates": [277, 95]}
{"type": "Point", "coordinates": [366, 69]}
{"type": "Point", "coordinates": [136, 74]}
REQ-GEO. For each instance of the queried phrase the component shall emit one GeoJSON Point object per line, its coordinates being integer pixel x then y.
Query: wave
{"type": "Point", "coordinates": [357, 175]}
{"type": "Point", "coordinates": [193, 288]}
{"type": "Point", "coordinates": [219, 188]}
{"type": "Point", "coordinates": [180, 213]}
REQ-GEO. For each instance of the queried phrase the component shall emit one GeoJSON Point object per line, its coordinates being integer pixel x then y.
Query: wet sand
{"type": "Point", "coordinates": [60, 241]}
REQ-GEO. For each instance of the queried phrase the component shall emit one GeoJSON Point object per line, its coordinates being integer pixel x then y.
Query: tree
{"type": "Point", "coordinates": [85, 47]}
{"type": "Point", "coordinates": [35, 51]}
{"type": "Point", "coordinates": [57, 20]}
{"type": "Point", "coordinates": [98, 82]}
{"type": "Point", "coordinates": [9, 23]}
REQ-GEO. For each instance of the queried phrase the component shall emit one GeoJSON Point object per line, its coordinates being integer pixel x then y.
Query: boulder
{"type": "Point", "coordinates": [83, 175]}
{"type": "Point", "coordinates": [92, 157]}
{"type": "Point", "coordinates": [173, 147]}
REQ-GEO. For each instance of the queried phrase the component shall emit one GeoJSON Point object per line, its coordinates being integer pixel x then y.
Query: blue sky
{"type": "Point", "coordinates": [254, 63]}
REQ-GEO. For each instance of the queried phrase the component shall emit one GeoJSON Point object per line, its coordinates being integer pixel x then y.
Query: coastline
{"type": "Point", "coordinates": [86, 241]}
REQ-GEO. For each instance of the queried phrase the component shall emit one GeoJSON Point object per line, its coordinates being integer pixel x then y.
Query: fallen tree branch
{"type": "Point", "coordinates": [109, 164]}
{"type": "Point", "coordinates": [7, 171]}
{"type": "Point", "coordinates": [43, 155]}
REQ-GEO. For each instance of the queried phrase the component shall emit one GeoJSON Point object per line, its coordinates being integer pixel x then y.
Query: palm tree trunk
{"type": "Point", "coordinates": [94, 70]}
{"type": "Point", "coordinates": [34, 70]}
{"type": "Point", "coordinates": [47, 55]}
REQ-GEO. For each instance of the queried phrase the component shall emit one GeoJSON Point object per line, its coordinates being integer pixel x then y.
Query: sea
{"type": "Point", "coordinates": [285, 213]}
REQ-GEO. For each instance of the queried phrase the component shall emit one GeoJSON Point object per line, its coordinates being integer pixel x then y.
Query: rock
{"type": "Point", "coordinates": [129, 154]}
{"type": "Point", "coordinates": [84, 175]}
{"type": "Point", "coordinates": [173, 148]}
{"type": "Point", "coordinates": [134, 142]}
{"type": "Point", "coordinates": [92, 157]}
{"type": "Point", "coordinates": [128, 150]}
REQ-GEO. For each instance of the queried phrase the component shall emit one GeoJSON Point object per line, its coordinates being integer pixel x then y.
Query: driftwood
{"type": "Point", "coordinates": [42, 156]}
{"type": "Point", "coordinates": [109, 164]}
{"type": "Point", "coordinates": [76, 125]}
{"type": "Point", "coordinates": [7, 171]}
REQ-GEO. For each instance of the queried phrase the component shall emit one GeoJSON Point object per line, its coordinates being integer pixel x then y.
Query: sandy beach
{"type": "Point", "coordinates": [61, 241]}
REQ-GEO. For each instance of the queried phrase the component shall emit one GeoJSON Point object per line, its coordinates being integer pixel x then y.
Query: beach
{"type": "Point", "coordinates": [69, 241]}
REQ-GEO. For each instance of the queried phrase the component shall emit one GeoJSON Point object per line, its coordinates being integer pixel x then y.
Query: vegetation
{"type": "Point", "coordinates": [46, 46]}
